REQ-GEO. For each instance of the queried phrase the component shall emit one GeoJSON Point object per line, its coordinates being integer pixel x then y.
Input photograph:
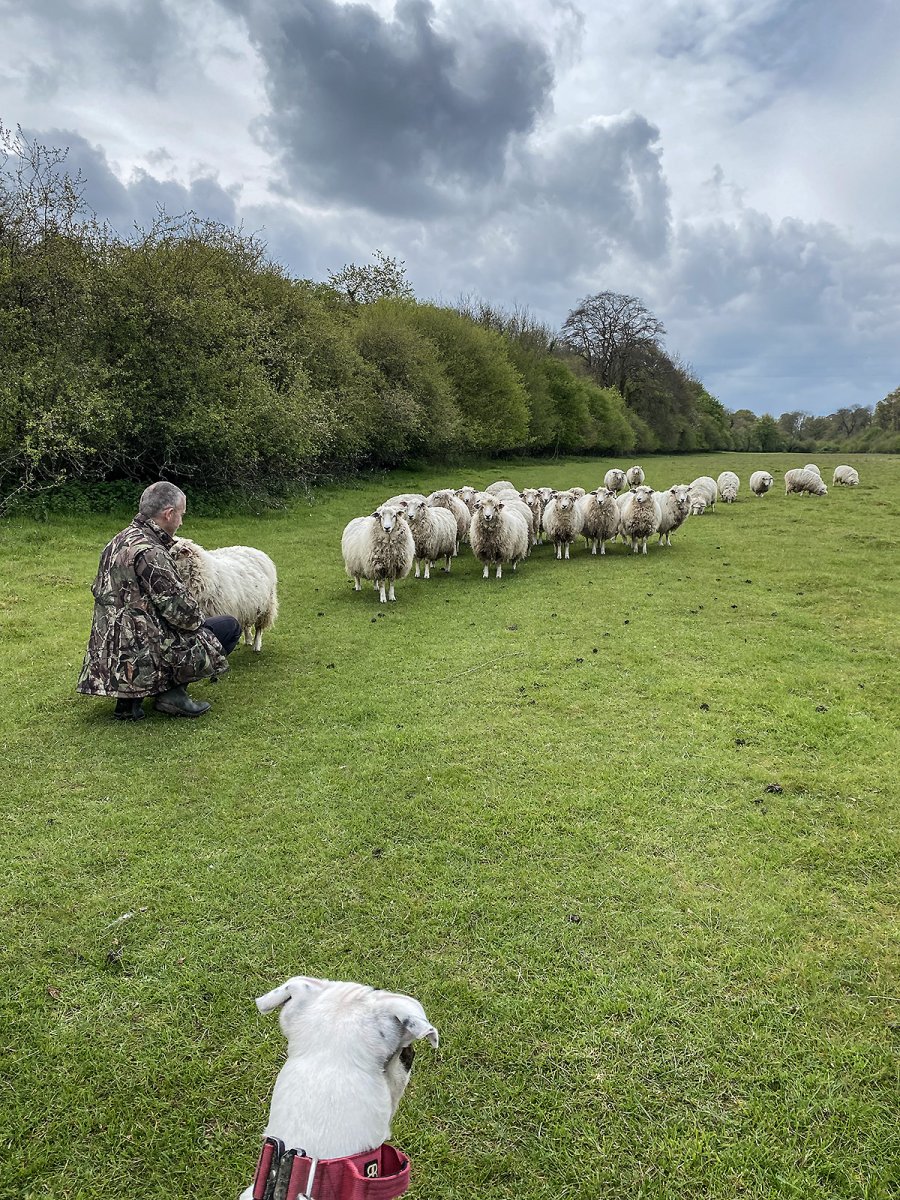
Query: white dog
{"type": "Point", "coordinates": [350, 1052]}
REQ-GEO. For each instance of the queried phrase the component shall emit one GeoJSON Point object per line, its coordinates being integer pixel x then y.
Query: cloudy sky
{"type": "Point", "coordinates": [734, 163]}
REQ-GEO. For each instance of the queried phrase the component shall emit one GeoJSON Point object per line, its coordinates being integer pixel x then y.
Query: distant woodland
{"type": "Point", "coordinates": [183, 351]}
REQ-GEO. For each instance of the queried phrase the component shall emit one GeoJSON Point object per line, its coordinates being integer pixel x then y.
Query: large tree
{"type": "Point", "coordinates": [614, 335]}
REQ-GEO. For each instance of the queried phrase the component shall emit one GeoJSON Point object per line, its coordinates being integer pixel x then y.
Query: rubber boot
{"type": "Point", "coordinates": [130, 709]}
{"type": "Point", "coordinates": [177, 703]}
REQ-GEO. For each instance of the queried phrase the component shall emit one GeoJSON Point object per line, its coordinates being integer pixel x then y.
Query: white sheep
{"type": "Point", "coordinates": [562, 521]}
{"type": "Point", "coordinates": [614, 479]}
{"type": "Point", "coordinates": [447, 498]}
{"type": "Point", "coordinates": [498, 534]}
{"type": "Point", "coordinates": [639, 516]}
{"type": "Point", "coordinates": [532, 497]}
{"type": "Point", "coordinates": [434, 534]}
{"type": "Point", "coordinates": [379, 547]}
{"type": "Point", "coordinates": [804, 481]}
{"type": "Point", "coordinates": [674, 507]}
{"type": "Point", "coordinates": [728, 484]}
{"type": "Point", "coordinates": [703, 486]}
{"type": "Point", "coordinates": [599, 516]}
{"type": "Point", "coordinates": [634, 476]}
{"type": "Point", "coordinates": [513, 500]}
{"type": "Point", "coordinates": [696, 505]}
{"type": "Point", "coordinates": [236, 581]}
{"type": "Point", "coordinates": [468, 495]}
{"type": "Point", "coordinates": [846, 476]}
{"type": "Point", "coordinates": [501, 485]}
{"type": "Point", "coordinates": [812, 467]}
{"type": "Point", "coordinates": [760, 482]}
{"type": "Point", "coordinates": [398, 503]}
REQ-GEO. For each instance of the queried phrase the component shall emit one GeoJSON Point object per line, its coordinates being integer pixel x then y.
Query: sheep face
{"type": "Point", "coordinates": [643, 494]}
{"type": "Point", "coordinates": [564, 501]}
{"type": "Point", "coordinates": [488, 507]}
{"type": "Point", "coordinates": [386, 516]}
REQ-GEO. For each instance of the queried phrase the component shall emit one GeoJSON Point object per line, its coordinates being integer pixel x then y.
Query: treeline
{"type": "Point", "coordinates": [184, 352]}
{"type": "Point", "coordinates": [858, 429]}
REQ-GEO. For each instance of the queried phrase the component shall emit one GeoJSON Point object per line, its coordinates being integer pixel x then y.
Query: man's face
{"type": "Point", "coordinates": [170, 518]}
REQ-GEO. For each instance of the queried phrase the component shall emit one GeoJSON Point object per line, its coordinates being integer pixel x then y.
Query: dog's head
{"type": "Point", "coordinates": [369, 1028]}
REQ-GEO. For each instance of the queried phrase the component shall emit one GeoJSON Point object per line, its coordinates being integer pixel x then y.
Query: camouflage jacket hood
{"type": "Point", "coordinates": [146, 634]}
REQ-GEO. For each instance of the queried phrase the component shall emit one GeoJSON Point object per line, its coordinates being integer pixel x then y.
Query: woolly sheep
{"type": "Point", "coordinates": [498, 534]}
{"type": "Point", "coordinates": [562, 521]}
{"type": "Point", "coordinates": [803, 481]}
{"type": "Point", "coordinates": [728, 484]}
{"type": "Point", "coordinates": [703, 486]}
{"type": "Point", "coordinates": [614, 479]}
{"type": "Point", "coordinates": [398, 503]}
{"type": "Point", "coordinates": [468, 495]}
{"type": "Point", "coordinates": [434, 534]}
{"type": "Point", "coordinates": [532, 497]}
{"type": "Point", "coordinates": [600, 517]}
{"type": "Point", "coordinates": [639, 516]}
{"type": "Point", "coordinates": [447, 498]}
{"type": "Point", "coordinates": [760, 482]}
{"type": "Point", "coordinates": [634, 476]}
{"type": "Point", "coordinates": [501, 485]}
{"type": "Point", "coordinates": [513, 500]}
{"type": "Point", "coordinates": [812, 467]}
{"type": "Point", "coordinates": [379, 547]}
{"type": "Point", "coordinates": [847, 476]}
{"type": "Point", "coordinates": [674, 507]}
{"type": "Point", "coordinates": [235, 580]}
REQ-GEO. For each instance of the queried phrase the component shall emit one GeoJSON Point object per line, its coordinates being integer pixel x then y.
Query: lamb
{"type": "Point", "coordinates": [498, 534]}
{"type": "Point", "coordinates": [447, 498]}
{"type": "Point", "coordinates": [434, 533]}
{"type": "Point", "coordinates": [760, 482]}
{"type": "Point", "coordinates": [600, 517]}
{"type": "Point", "coordinates": [728, 484]}
{"type": "Point", "coordinates": [614, 479]}
{"type": "Point", "coordinates": [562, 521]}
{"type": "Point", "coordinates": [846, 476]}
{"type": "Point", "coordinates": [674, 508]}
{"type": "Point", "coordinates": [379, 547]}
{"type": "Point", "coordinates": [703, 486]}
{"type": "Point", "coordinates": [634, 476]}
{"type": "Point", "coordinates": [812, 467]}
{"type": "Point", "coordinates": [803, 481]}
{"type": "Point", "coordinates": [235, 580]}
{"type": "Point", "coordinates": [502, 485]}
{"type": "Point", "coordinates": [639, 516]}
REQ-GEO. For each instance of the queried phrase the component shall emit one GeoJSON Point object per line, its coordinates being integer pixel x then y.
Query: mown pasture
{"type": "Point", "coordinates": [627, 827]}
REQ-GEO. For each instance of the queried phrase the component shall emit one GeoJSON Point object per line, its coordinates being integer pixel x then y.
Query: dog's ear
{"type": "Point", "coordinates": [301, 986]}
{"type": "Point", "coordinates": [406, 1022]}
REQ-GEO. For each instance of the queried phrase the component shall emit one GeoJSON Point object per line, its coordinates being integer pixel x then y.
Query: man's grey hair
{"type": "Point", "coordinates": [159, 496]}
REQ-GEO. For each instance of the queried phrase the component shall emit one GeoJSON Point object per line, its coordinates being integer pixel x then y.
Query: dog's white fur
{"type": "Point", "coordinates": [344, 1076]}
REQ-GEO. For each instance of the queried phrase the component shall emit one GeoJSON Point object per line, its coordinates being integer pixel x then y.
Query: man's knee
{"type": "Point", "coordinates": [226, 629]}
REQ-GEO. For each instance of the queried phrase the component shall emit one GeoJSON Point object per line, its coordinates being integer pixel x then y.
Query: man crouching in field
{"type": "Point", "coordinates": [148, 636]}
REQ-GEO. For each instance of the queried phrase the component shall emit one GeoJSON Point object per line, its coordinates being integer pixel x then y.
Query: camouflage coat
{"type": "Point", "coordinates": [146, 635]}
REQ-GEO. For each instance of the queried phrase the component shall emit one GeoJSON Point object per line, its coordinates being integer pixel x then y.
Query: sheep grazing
{"type": "Point", "coordinates": [236, 581]}
{"type": "Point", "coordinates": [614, 480]}
{"type": "Point", "coordinates": [434, 534]}
{"type": "Point", "coordinates": [728, 484]}
{"type": "Point", "coordinates": [812, 467]}
{"type": "Point", "coordinates": [634, 476]}
{"type": "Point", "coordinates": [804, 481]}
{"type": "Point", "coordinates": [696, 505]}
{"type": "Point", "coordinates": [760, 482]}
{"type": "Point", "coordinates": [846, 476]}
{"type": "Point", "coordinates": [501, 485]}
{"type": "Point", "coordinates": [639, 516]}
{"type": "Point", "coordinates": [703, 487]}
{"type": "Point", "coordinates": [562, 521]}
{"type": "Point", "coordinates": [599, 516]}
{"type": "Point", "coordinates": [498, 534]}
{"type": "Point", "coordinates": [674, 509]}
{"type": "Point", "coordinates": [380, 548]}
{"type": "Point", "coordinates": [447, 498]}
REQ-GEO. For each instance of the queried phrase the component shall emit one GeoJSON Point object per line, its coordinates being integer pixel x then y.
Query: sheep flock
{"type": "Point", "coordinates": [502, 524]}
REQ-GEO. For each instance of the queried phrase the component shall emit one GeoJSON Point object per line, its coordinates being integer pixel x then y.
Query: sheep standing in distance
{"type": "Point", "coordinates": [634, 476]}
{"type": "Point", "coordinates": [562, 521]}
{"type": "Point", "coordinates": [468, 495]}
{"type": "Point", "coordinates": [812, 467]}
{"type": "Point", "coordinates": [846, 476]}
{"type": "Point", "coordinates": [674, 508]}
{"type": "Point", "coordinates": [434, 535]}
{"type": "Point", "coordinates": [805, 482]}
{"type": "Point", "coordinates": [447, 498]}
{"type": "Point", "coordinates": [614, 480]}
{"type": "Point", "coordinates": [498, 535]}
{"type": "Point", "coordinates": [728, 484]}
{"type": "Point", "coordinates": [599, 516]}
{"type": "Point", "coordinates": [380, 548]}
{"type": "Point", "coordinates": [501, 485]}
{"type": "Point", "coordinates": [532, 497]}
{"type": "Point", "coordinates": [760, 482]}
{"type": "Point", "coordinates": [639, 516]}
{"type": "Point", "coordinates": [237, 581]}
{"type": "Point", "coordinates": [703, 486]}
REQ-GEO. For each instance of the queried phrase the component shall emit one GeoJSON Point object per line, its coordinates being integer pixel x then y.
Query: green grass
{"type": "Point", "coordinates": [539, 806]}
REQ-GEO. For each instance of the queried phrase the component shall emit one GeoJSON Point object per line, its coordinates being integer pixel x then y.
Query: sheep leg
{"type": "Point", "coordinates": [644, 546]}
{"type": "Point", "coordinates": [499, 570]}
{"type": "Point", "coordinates": [567, 549]}
{"type": "Point", "coordinates": [391, 595]}
{"type": "Point", "coordinates": [427, 569]}
{"type": "Point", "coordinates": [594, 546]}
{"type": "Point", "coordinates": [356, 584]}
{"type": "Point", "coordinates": [559, 549]}
{"type": "Point", "coordinates": [486, 573]}
{"type": "Point", "coordinates": [417, 568]}
{"type": "Point", "coordinates": [381, 595]}
{"type": "Point", "coordinates": [257, 639]}
{"type": "Point", "coordinates": [447, 560]}
{"type": "Point", "coordinates": [602, 546]}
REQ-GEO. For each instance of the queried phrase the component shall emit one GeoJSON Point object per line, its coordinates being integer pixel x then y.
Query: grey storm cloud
{"type": "Point", "coordinates": [394, 115]}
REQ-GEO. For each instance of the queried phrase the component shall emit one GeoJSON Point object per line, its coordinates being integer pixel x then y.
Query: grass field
{"type": "Point", "coordinates": [540, 806]}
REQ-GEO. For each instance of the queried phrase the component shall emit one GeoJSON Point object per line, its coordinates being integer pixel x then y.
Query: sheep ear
{"type": "Point", "coordinates": [406, 1022]}
{"type": "Point", "coordinates": [300, 987]}
{"type": "Point", "coordinates": [376, 513]}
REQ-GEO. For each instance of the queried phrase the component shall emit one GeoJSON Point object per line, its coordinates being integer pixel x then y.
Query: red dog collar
{"type": "Point", "coordinates": [379, 1174]}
